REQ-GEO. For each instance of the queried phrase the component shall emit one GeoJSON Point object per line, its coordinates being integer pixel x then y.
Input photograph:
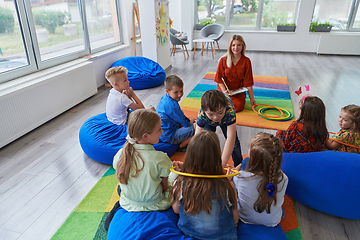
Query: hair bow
{"type": "Point", "coordinates": [271, 189]}
{"type": "Point", "coordinates": [130, 140]}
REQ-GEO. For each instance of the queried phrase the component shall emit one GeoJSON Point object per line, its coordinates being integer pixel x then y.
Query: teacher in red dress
{"type": "Point", "coordinates": [236, 70]}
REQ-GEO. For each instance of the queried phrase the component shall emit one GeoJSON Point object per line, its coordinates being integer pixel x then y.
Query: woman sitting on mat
{"type": "Point", "coordinates": [207, 206]}
{"type": "Point", "coordinates": [236, 71]}
{"type": "Point", "coordinates": [349, 122]}
{"type": "Point", "coordinates": [261, 184]}
{"type": "Point", "coordinates": [308, 133]}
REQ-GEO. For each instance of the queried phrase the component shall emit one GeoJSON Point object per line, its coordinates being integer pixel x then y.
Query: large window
{"type": "Point", "coordinates": [342, 14]}
{"type": "Point", "coordinates": [36, 34]}
{"type": "Point", "coordinates": [267, 14]}
{"type": "Point", "coordinates": [253, 14]}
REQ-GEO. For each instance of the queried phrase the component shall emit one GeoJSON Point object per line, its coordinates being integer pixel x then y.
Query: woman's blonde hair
{"type": "Point", "coordinates": [203, 156]}
{"type": "Point", "coordinates": [141, 121]}
{"type": "Point", "coordinates": [266, 156]}
{"type": "Point", "coordinates": [229, 55]}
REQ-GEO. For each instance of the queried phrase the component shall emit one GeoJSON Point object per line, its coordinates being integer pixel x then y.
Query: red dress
{"type": "Point", "coordinates": [294, 141]}
{"type": "Point", "coordinates": [235, 77]}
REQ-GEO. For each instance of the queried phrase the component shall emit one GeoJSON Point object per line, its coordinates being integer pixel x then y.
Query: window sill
{"type": "Point", "coordinates": [107, 51]}
{"type": "Point", "coordinates": [38, 76]}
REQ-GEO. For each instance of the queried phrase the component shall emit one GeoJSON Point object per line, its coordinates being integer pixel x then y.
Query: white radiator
{"type": "Point", "coordinates": [26, 106]}
{"type": "Point", "coordinates": [339, 43]}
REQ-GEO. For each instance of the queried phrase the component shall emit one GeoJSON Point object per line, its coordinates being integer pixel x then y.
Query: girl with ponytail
{"type": "Point", "coordinates": [261, 184]}
{"type": "Point", "coordinates": [141, 170]}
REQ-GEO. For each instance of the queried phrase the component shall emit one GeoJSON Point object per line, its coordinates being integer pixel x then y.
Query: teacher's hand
{"type": "Point", "coordinates": [252, 101]}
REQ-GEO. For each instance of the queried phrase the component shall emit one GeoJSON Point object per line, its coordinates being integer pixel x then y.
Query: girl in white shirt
{"type": "Point", "coordinates": [261, 184]}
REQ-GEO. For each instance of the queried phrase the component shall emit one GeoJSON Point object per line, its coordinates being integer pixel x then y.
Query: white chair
{"type": "Point", "coordinates": [214, 32]}
{"type": "Point", "coordinates": [178, 41]}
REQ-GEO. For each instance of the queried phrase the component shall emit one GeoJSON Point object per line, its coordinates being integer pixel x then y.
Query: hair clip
{"type": "Point", "coordinates": [298, 92]}
{"type": "Point", "coordinates": [271, 189]}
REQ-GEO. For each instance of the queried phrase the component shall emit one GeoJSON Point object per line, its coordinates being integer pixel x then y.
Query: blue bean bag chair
{"type": "Point", "coordinates": [142, 72]}
{"type": "Point", "coordinates": [162, 225]}
{"type": "Point", "coordinates": [101, 140]}
{"type": "Point", "coordinates": [159, 225]}
{"type": "Point", "coordinates": [327, 181]}
{"type": "Point", "coordinates": [259, 232]}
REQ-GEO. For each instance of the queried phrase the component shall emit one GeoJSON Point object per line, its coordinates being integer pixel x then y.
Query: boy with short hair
{"type": "Point", "coordinates": [176, 126]}
{"type": "Point", "coordinates": [218, 110]}
{"type": "Point", "coordinates": [121, 96]}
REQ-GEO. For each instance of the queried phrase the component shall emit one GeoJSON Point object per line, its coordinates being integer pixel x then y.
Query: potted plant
{"type": "Point", "coordinates": [316, 26]}
{"type": "Point", "coordinates": [288, 27]}
{"type": "Point", "coordinates": [207, 21]}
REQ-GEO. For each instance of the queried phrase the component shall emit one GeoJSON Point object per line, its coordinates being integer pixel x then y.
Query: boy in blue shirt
{"type": "Point", "coordinates": [176, 126]}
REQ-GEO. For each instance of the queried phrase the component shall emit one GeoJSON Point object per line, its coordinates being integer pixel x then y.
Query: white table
{"type": "Point", "coordinates": [204, 41]}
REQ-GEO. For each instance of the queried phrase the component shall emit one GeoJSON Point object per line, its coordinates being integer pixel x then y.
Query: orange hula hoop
{"type": "Point", "coordinates": [349, 145]}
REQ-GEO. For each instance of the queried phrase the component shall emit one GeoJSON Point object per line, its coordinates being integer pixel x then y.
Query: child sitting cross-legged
{"type": "Point", "coordinates": [308, 133]}
{"type": "Point", "coordinates": [121, 96]}
{"type": "Point", "coordinates": [176, 126]}
{"type": "Point", "coordinates": [261, 184]}
{"type": "Point", "coordinates": [349, 134]}
{"type": "Point", "coordinates": [207, 207]}
{"type": "Point", "coordinates": [141, 170]}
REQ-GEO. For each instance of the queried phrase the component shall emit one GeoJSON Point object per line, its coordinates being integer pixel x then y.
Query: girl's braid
{"type": "Point", "coordinates": [272, 168]}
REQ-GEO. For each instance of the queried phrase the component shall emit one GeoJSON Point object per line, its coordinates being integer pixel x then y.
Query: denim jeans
{"type": "Point", "coordinates": [216, 225]}
{"type": "Point", "coordinates": [182, 134]}
{"type": "Point", "coordinates": [236, 153]}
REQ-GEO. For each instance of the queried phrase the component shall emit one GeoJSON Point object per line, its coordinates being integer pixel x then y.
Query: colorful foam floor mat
{"type": "Point", "coordinates": [267, 90]}
{"type": "Point", "coordinates": [87, 220]}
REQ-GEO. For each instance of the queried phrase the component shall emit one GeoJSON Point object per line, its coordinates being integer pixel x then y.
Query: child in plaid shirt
{"type": "Point", "coordinates": [308, 133]}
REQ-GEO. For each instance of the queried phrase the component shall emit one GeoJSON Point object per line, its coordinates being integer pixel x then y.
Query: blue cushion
{"type": "Point", "coordinates": [101, 140]}
{"type": "Point", "coordinates": [163, 225]}
{"type": "Point", "coordinates": [327, 181]}
{"type": "Point", "coordinates": [159, 225]}
{"type": "Point", "coordinates": [259, 232]}
{"type": "Point", "coordinates": [142, 72]}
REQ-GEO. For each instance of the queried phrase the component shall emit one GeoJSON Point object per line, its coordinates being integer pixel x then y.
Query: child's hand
{"type": "Point", "coordinates": [151, 108]}
{"type": "Point", "coordinates": [229, 172]}
{"type": "Point", "coordinates": [130, 92]}
{"type": "Point", "coordinates": [192, 121]}
{"type": "Point", "coordinates": [178, 165]}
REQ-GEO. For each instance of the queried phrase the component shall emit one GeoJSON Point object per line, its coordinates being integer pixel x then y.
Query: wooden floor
{"type": "Point", "coordinates": [45, 174]}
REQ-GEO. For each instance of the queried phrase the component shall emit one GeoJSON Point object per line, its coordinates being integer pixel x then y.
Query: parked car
{"type": "Point", "coordinates": [216, 8]}
{"type": "Point", "coordinates": [336, 24]}
{"type": "Point", "coordinates": [9, 64]}
{"type": "Point", "coordinates": [237, 9]}
{"type": "Point", "coordinates": [220, 11]}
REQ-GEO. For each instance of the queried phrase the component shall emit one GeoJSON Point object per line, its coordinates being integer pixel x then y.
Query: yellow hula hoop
{"type": "Point", "coordinates": [278, 118]}
{"type": "Point", "coordinates": [205, 176]}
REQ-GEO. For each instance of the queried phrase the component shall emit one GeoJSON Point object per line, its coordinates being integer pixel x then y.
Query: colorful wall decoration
{"type": "Point", "coordinates": [162, 23]}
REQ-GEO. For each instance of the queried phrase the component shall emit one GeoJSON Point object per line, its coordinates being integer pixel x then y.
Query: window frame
{"type": "Point", "coordinates": [31, 46]}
